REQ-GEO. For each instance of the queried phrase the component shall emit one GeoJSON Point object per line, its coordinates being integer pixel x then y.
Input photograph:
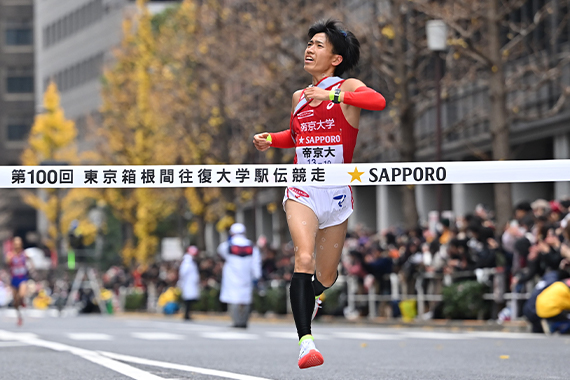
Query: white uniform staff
{"type": "Point", "coordinates": [242, 266]}
{"type": "Point", "coordinates": [189, 279]}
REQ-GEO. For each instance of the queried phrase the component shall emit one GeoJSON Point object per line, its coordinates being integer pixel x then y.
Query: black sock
{"type": "Point", "coordinates": [320, 288]}
{"type": "Point", "coordinates": [302, 302]}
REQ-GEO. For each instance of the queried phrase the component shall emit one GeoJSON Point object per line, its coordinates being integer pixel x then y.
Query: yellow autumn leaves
{"type": "Point", "coordinates": [188, 86]}
{"type": "Point", "coordinates": [52, 141]}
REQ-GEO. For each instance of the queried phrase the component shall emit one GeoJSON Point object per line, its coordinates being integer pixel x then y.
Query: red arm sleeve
{"type": "Point", "coordinates": [282, 139]}
{"type": "Point", "coordinates": [366, 98]}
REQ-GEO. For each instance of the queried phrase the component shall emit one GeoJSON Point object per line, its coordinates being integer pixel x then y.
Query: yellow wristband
{"type": "Point", "coordinates": [331, 95]}
{"type": "Point", "coordinates": [268, 138]}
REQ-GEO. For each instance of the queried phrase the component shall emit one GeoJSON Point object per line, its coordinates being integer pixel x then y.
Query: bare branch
{"type": "Point", "coordinates": [433, 13]}
{"type": "Point", "coordinates": [538, 18]}
{"type": "Point", "coordinates": [471, 7]}
{"type": "Point", "coordinates": [510, 7]}
{"type": "Point", "coordinates": [387, 70]}
{"type": "Point", "coordinates": [551, 112]}
{"type": "Point", "coordinates": [475, 54]}
{"type": "Point", "coordinates": [561, 26]}
{"type": "Point", "coordinates": [543, 75]}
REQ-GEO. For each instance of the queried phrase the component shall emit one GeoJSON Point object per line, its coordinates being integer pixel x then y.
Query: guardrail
{"type": "Point", "coordinates": [496, 279]}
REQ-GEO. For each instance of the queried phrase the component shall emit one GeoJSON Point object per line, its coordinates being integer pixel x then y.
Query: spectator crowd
{"type": "Point", "coordinates": [535, 243]}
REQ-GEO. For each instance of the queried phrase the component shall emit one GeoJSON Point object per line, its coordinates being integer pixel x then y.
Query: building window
{"type": "Point", "coordinates": [19, 36]}
{"type": "Point", "coordinates": [20, 84]}
{"type": "Point", "coordinates": [18, 132]}
{"type": "Point", "coordinates": [76, 75]}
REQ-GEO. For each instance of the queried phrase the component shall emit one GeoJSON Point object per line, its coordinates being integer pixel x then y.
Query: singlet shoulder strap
{"type": "Point", "coordinates": [324, 84]}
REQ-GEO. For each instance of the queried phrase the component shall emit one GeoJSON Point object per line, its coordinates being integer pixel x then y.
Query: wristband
{"type": "Point", "coordinates": [331, 95]}
{"type": "Point", "coordinates": [336, 98]}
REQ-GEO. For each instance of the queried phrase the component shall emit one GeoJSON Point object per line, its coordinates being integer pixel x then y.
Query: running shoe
{"type": "Point", "coordinates": [318, 302]}
{"type": "Point", "coordinates": [309, 355]}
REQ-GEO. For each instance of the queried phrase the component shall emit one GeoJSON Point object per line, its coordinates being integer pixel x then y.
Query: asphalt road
{"type": "Point", "coordinates": [98, 347]}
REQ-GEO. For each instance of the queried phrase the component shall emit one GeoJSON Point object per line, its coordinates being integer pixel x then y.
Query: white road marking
{"type": "Point", "coordinates": [229, 336]}
{"type": "Point", "coordinates": [35, 313]}
{"type": "Point", "coordinates": [121, 368]}
{"type": "Point", "coordinates": [282, 334]}
{"type": "Point", "coordinates": [186, 326]}
{"type": "Point", "coordinates": [436, 335]}
{"type": "Point", "coordinates": [172, 325]}
{"type": "Point", "coordinates": [181, 367]}
{"type": "Point", "coordinates": [502, 335]}
{"type": "Point", "coordinates": [89, 336]}
{"type": "Point", "coordinates": [6, 335]}
{"type": "Point", "coordinates": [199, 328]}
{"type": "Point", "coordinates": [92, 356]}
{"type": "Point", "coordinates": [157, 336]}
{"type": "Point", "coordinates": [292, 335]}
{"type": "Point", "coordinates": [366, 336]}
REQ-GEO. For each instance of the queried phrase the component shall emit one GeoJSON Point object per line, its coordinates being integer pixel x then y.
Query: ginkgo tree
{"type": "Point", "coordinates": [192, 86]}
{"type": "Point", "coordinates": [52, 141]}
{"type": "Point", "coordinates": [132, 134]}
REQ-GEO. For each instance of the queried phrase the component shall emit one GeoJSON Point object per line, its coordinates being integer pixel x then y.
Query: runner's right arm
{"type": "Point", "coordinates": [283, 139]}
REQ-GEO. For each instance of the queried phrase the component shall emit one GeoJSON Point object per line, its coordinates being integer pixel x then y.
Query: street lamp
{"type": "Point", "coordinates": [436, 31]}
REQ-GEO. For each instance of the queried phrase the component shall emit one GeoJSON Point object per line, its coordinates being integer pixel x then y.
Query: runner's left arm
{"type": "Point", "coordinates": [355, 93]}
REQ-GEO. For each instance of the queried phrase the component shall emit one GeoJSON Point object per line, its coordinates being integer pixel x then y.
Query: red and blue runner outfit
{"type": "Point", "coordinates": [18, 269]}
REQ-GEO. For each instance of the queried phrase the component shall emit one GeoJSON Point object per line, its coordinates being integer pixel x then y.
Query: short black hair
{"type": "Point", "coordinates": [344, 43]}
{"type": "Point", "coordinates": [523, 206]}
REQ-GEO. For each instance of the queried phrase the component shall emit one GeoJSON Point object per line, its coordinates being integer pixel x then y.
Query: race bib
{"type": "Point", "coordinates": [19, 271]}
{"type": "Point", "coordinates": [319, 148]}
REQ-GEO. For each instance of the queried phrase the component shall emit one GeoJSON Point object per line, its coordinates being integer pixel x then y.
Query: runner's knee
{"type": "Point", "coordinates": [304, 262]}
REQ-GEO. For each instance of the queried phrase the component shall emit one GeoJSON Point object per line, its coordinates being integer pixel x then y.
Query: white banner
{"type": "Point", "coordinates": [401, 173]}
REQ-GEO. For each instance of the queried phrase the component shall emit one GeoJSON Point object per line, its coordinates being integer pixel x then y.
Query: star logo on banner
{"type": "Point", "coordinates": [355, 175]}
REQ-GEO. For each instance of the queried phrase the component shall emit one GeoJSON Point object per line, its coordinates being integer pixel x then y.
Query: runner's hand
{"type": "Point", "coordinates": [260, 141]}
{"type": "Point", "coordinates": [316, 93]}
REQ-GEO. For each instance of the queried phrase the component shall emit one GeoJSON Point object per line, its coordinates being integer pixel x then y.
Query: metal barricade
{"type": "Point", "coordinates": [495, 277]}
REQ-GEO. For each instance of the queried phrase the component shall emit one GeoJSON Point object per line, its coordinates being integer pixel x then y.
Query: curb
{"type": "Point", "coordinates": [519, 326]}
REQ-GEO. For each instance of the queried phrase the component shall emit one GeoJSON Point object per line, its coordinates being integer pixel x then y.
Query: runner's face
{"type": "Point", "coordinates": [319, 57]}
{"type": "Point", "coordinates": [17, 244]}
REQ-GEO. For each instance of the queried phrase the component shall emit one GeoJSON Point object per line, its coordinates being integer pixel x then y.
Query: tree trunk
{"type": "Point", "coordinates": [59, 234]}
{"type": "Point", "coordinates": [407, 154]}
{"type": "Point", "coordinates": [201, 234]}
{"type": "Point", "coordinates": [128, 239]}
{"type": "Point", "coordinates": [498, 117]}
{"type": "Point", "coordinates": [407, 143]}
{"type": "Point", "coordinates": [283, 228]}
{"type": "Point", "coordinates": [278, 199]}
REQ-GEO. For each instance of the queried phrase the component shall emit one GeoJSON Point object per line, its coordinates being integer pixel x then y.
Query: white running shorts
{"type": "Point", "coordinates": [332, 205]}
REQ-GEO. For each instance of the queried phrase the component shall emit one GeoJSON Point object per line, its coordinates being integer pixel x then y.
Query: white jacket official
{"type": "Point", "coordinates": [239, 271]}
{"type": "Point", "coordinates": [189, 278]}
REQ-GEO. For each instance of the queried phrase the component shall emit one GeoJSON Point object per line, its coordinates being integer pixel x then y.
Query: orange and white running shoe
{"type": "Point", "coordinates": [309, 355]}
